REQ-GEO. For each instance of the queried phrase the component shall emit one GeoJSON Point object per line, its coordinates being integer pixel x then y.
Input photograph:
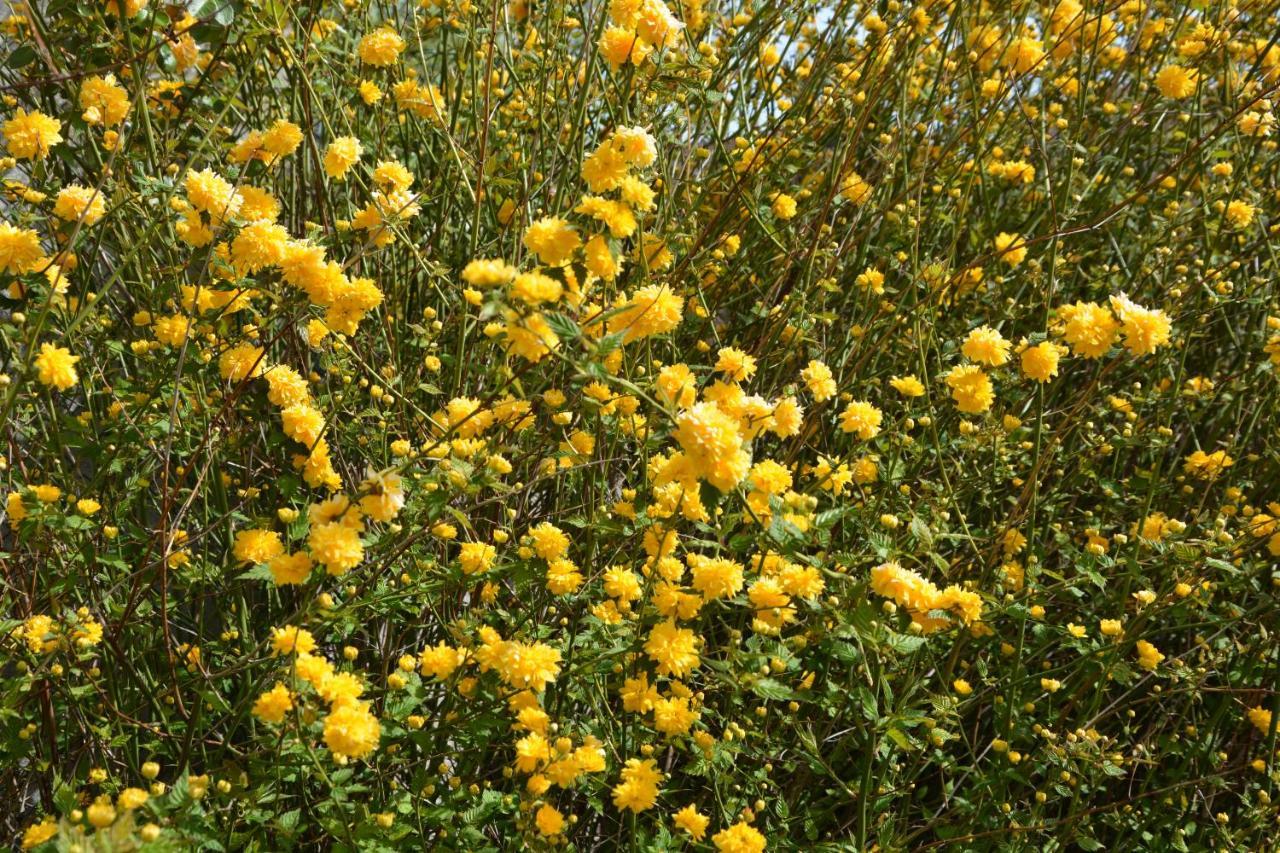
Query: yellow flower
{"type": "Point", "coordinates": [1176, 82]}
{"type": "Point", "coordinates": [1144, 329]}
{"type": "Point", "coordinates": [907, 386]}
{"type": "Point", "coordinates": [46, 493]}
{"type": "Point", "coordinates": [241, 362]}
{"type": "Point", "coordinates": [673, 649]}
{"type": "Point", "coordinates": [351, 731]}
{"type": "Point", "coordinates": [101, 814]}
{"type": "Point", "coordinates": [335, 546]}
{"type": "Point", "coordinates": [739, 838]}
{"type": "Point", "coordinates": [476, 557]}
{"type": "Point", "coordinates": [638, 788]}
{"type": "Point", "coordinates": [1239, 214]}
{"type": "Point", "coordinates": [862, 418]}
{"type": "Point", "coordinates": [986, 346]}
{"type": "Point", "coordinates": [1010, 248]}
{"type": "Point", "coordinates": [1040, 362]}
{"type": "Point", "coordinates": [39, 833]}
{"type": "Point", "coordinates": [282, 138]}
{"type": "Point", "coordinates": [692, 822]}
{"type": "Point", "coordinates": [970, 388]}
{"type": "Point", "coordinates": [549, 820]}
{"type": "Point", "coordinates": [290, 568]}
{"type": "Point", "coordinates": [1149, 656]}
{"type": "Point", "coordinates": [818, 379]}
{"type": "Point", "coordinates": [259, 245]}
{"type": "Point", "coordinates": [735, 364]}
{"type": "Point", "coordinates": [381, 47]}
{"type": "Point", "coordinates": [56, 367]}
{"type": "Point", "coordinates": [712, 445]}
{"type": "Point", "coordinates": [1089, 328]}
{"type": "Point", "coordinates": [289, 640]}
{"type": "Point", "coordinates": [343, 153]}
{"type": "Point", "coordinates": [257, 546]}
{"type": "Point", "coordinates": [552, 239]}
{"type": "Point", "coordinates": [1261, 719]}
{"type": "Point", "coordinates": [104, 101]}
{"type": "Point", "coordinates": [77, 203]}
{"type": "Point", "coordinates": [1207, 466]}
{"type": "Point", "coordinates": [29, 136]}
{"type": "Point", "coordinates": [652, 310]}
{"type": "Point", "coordinates": [528, 666]}
{"type": "Point", "coordinates": [855, 190]}
{"type": "Point", "coordinates": [20, 249]}
{"type": "Point", "coordinates": [619, 45]}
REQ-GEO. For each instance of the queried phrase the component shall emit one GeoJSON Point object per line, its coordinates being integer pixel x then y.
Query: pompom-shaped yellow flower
{"type": "Point", "coordinates": [528, 666]}
{"type": "Point", "coordinates": [818, 379]}
{"type": "Point", "coordinates": [39, 833]}
{"type": "Point", "coordinates": [335, 546]}
{"type": "Point", "coordinates": [620, 45]}
{"type": "Point", "coordinates": [259, 245]}
{"type": "Point", "coordinates": [1149, 656]}
{"type": "Point", "coordinates": [739, 838]}
{"type": "Point", "coordinates": [77, 203]}
{"type": "Point", "coordinates": [549, 541]}
{"type": "Point", "coordinates": [552, 239]}
{"type": "Point", "coordinates": [1144, 329]}
{"type": "Point", "coordinates": [970, 388]}
{"type": "Point", "coordinates": [1088, 328]}
{"type": "Point", "coordinates": [1207, 466]}
{"type": "Point", "coordinates": [862, 418]}
{"type": "Point", "coordinates": [290, 569]}
{"type": "Point", "coordinates": [212, 194]}
{"type": "Point", "coordinates": [1010, 248]}
{"type": "Point", "coordinates": [692, 822]}
{"type": "Point", "coordinates": [257, 546]}
{"type": "Point", "coordinates": [56, 367]}
{"type": "Point", "coordinates": [271, 706]}
{"type": "Point", "coordinates": [652, 310]}
{"type": "Point", "coordinates": [381, 47]}
{"type": "Point", "coordinates": [735, 364]}
{"type": "Point", "coordinates": [476, 557]}
{"type": "Point", "coordinates": [1040, 362]}
{"type": "Point", "coordinates": [104, 101]}
{"type": "Point", "coordinates": [1176, 82]}
{"type": "Point", "coordinates": [986, 346]}
{"type": "Point", "coordinates": [289, 640]}
{"type": "Point", "coordinates": [548, 820]}
{"type": "Point", "coordinates": [715, 577]}
{"type": "Point", "coordinates": [282, 138]}
{"type": "Point", "coordinates": [712, 443]}
{"type": "Point", "coordinates": [907, 386]}
{"type": "Point", "coordinates": [343, 153]}
{"type": "Point", "coordinates": [638, 788]}
{"type": "Point", "coordinates": [1239, 214]}
{"type": "Point", "coordinates": [1261, 719]}
{"type": "Point", "coordinates": [855, 190]}
{"type": "Point", "coordinates": [241, 362]}
{"type": "Point", "coordinates": [485, 273]}
{"type": "Point", "coordinates": [29, 136]}
{"type": "Point", "coordinates": [673, 649]}
{"type": "Point", "coordinates": [19, 249]}
{"type": "Point", "coordinates": [351, 730]}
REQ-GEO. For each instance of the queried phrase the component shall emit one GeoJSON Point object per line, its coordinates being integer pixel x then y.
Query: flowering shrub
{"type": "Point", "coordinates": [654, 424]}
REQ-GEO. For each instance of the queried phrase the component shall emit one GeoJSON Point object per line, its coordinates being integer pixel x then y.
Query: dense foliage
{"type": "Point", "coordinates": [703, 424]}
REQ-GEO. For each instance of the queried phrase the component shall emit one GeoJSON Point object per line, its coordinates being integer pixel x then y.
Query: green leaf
{"type": "Point", "coordinates": [772, 689]}
{"type": "Point", "coordinates": [21, 57]}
